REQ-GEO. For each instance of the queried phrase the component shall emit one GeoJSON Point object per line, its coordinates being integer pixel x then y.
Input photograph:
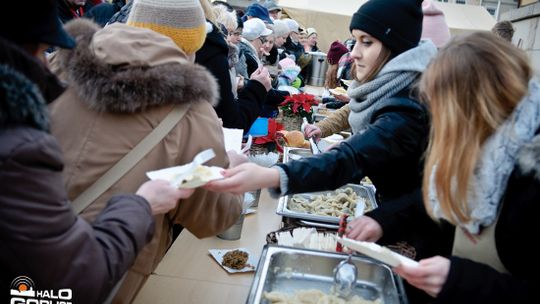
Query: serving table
{"type": "Point", "coordinates": [188, 274]}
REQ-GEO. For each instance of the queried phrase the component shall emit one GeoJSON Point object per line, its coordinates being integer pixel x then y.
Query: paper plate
{"type": "Point", "coordinates": [218, 254]}
{"type": "Point", "coordinates": [378, 252]}
{"type": "Point", "coordinates": [187, 180]}
{"type": "Point", "coordinates": [338, 91]}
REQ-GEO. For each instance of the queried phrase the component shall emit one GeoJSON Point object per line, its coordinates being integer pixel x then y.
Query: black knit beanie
{"type": "Point", "coordinates": [396, 23]}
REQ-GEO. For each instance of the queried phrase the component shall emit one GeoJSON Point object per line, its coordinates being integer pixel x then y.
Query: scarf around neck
{"type": "Point", "coordinates": [495, 164]}
{"type": "Point", "coordinates": [398, 74]}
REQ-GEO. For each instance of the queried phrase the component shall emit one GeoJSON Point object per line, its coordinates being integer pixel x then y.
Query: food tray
{"type": "Point", "coordinates": [283, 210]}
{"type": "Point", "coordinates": [290, 153]}
{"type": "Point", "coordinates": [287, 270]}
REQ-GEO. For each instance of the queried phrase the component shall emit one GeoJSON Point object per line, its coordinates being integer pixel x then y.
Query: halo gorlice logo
{"type": "Point", "coordinates": [23, 291]}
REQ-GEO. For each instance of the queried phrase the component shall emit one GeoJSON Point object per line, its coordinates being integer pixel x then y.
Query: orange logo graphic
{"type": "Point", "coordinates": [22, 286]}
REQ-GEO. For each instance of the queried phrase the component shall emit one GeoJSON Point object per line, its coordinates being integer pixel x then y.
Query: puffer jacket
{"type": "Point", "coordinates": [40, 236]}
{"type": "Point", "coordinates": [117, 95]}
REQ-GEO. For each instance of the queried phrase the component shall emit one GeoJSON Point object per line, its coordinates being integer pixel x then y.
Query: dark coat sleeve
{"type": "Point", "coordinates": [43, 239]}
{"type": "Point", "coordinates": [390, 138]}
{"type": "Point", "coordinates": [252, 64]}
{"type": "Point", "coordinates": [272, 55]}
{"type": "Point", "coordinates": [406, 219]}
{"type": "Point", "coordinates": [516, 232]}
{"type": "Point", "coordinates": [471, 282]}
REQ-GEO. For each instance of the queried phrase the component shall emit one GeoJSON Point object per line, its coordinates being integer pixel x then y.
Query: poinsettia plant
{"type": "Point", "coordinates": [299, 104]}
{"type": "Point", "coordinates": [273, 137]}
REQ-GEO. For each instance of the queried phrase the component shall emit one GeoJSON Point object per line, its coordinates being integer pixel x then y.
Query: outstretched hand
{"type": "Point", "coordinates": [161, 196]}
{"type": "Point", "coordinates": [245, 177]}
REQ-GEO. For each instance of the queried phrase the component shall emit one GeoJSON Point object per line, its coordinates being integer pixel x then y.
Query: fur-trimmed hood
{"type": "Point", "coordinates": [136, 69]}
{"type": "Point", "coordinates": [529, 158]}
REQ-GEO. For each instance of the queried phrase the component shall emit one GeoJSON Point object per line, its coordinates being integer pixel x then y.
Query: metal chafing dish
{"type": "Point", "coordinates": [290, 153]}
{"type": "Point", "coordinates": [362, 191]}
{"type": "Point", "coordinates": [287, 270]}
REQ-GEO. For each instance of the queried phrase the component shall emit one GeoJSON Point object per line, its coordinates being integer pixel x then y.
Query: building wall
{"type": "Point", "coordinates": [527, 2]}
{"type": "Point", "coordinates": [526, 20]}
{"type": "Point", "coordinates": [490, 5]}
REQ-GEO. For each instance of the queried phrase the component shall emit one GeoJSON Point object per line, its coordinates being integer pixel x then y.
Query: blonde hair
{"type": "Point", "coordinates": [331, 81]}
{"type": "Point", "coordinates": [471, 88]}
{"type": "Point", "coordinates": [223, 16]}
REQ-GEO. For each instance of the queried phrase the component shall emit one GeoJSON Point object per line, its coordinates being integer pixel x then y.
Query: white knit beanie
{"type": "Point", "coordinates": [280, 28]}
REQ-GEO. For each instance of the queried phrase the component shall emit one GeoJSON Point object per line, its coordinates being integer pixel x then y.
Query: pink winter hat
{"type": "Point", "coordinates": [434, 26]}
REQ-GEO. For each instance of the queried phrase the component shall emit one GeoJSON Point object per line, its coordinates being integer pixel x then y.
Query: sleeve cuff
{"type": "Point", "coordinates": [283, 184]}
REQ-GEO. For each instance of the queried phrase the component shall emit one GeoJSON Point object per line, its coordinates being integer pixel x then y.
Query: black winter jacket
{"type": "Point", "coordinates": [239, 113]}
{"type": "Point", "coordinates": [102, 13]}
{"type": "Point", "coordinates": [389, 152]}
{"type": "Point", "coordinates": [292, 48]}
{"type": "Point", "coordinates": [515, 234]}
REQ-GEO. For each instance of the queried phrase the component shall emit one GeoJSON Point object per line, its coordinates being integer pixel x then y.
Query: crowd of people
{"type": "Point", "coordinates": [445, 128]}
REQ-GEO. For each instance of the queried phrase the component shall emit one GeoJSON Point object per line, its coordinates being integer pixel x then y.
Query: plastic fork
{"type": "Point", "coordinates": [198, 160]}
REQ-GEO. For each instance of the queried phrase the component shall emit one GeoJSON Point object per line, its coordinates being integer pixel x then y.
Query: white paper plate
{"type": "Point", "coordinates": [170, 174]}
{"type": "Point", "coordinates": [378, 252]}
{"type": "Point", "coordinates": [218, 254]}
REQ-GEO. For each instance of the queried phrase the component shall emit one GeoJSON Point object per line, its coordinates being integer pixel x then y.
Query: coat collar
{"type": "Point", "coordinates": [131, 86]}
{"type": "Point", "coordinates": [21, 101]}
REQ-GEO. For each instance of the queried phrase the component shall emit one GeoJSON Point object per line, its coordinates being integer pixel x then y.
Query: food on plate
{"type": "Point", "coordinates": [201, 175]}
{"type": "Point", "coordinates": [235, 259]}
{"type": "Point", "coordinates": [309, 296]}
{"type": "Point", "coordinates": [336, 203]}
{"type": "Point", "coordinates": [338, 91]}
{"type": "Point", "coordinates": [294, 138]}
{"type": "Point", "coordinates": [306, 145]}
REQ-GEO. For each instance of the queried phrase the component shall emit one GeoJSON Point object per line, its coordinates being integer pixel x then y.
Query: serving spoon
{"type": "Point", "coordinates": [345, 275]}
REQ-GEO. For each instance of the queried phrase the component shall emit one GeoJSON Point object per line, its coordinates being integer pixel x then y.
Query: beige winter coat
{"type": "Point", "coordinates": [122, 82]}
{"type": "Point", "coordinates": [336, 122]}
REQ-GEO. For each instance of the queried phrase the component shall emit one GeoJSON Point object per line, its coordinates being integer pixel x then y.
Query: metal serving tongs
{"type": "Point", "coordinates": [198, 160]}
{"type": "Point", "coordinates": [312, 144]}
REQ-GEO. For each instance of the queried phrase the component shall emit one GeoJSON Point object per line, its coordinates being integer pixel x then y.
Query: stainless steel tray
{"type": "Point", "coordinates": [287, 270]}
{"type": "Point", "coordinates": [290, 153]}
{"type": "Point", "coordinates": [363, 191]}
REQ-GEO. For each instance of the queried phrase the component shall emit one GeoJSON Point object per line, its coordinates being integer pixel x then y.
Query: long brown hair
{"type": "Point", "coordinates": [331, 81]}
{"type": "Point", "coordinates": [382, 59]}
{"type": "Point", "coordinates": [471, 88]}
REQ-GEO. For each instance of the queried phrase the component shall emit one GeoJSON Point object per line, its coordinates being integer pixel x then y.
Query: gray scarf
{"type": "Point", "coordinates": [496, 163]}
{"type": "Point", "coordinates": [398, 74]}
